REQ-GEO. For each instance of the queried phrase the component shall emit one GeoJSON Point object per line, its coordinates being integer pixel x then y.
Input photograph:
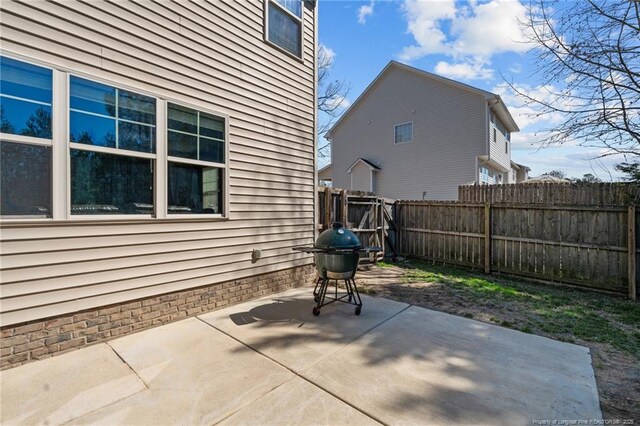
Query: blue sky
{"type": "Point", "coordinates": [476, 42]}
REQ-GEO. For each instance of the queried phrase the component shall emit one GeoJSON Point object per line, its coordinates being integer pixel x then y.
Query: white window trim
{"type": "Point", "coordinates": [30, 140]}
{"type": "Point", "coordinates": [27, 140]}
{"type": "Point", "coordinates": [224, 166]}
{"type": "Point", "coordinates": [299, 19]}
{"type": "Point", "coordinates": [104, 150]}
{"type": "Point", "coordinates": [61, 154]}
{"type": "Point", "coordinates": [394, 133]}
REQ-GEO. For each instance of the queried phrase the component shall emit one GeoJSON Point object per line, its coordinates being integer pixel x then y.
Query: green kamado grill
{"type": "Point", "coordinates": [337, 253]}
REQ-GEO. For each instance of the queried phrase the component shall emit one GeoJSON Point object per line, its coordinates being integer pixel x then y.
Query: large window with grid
{"type": "Point", "coordinates": [196, 149]}
{"type": "Point", "coordinates": [112, 149]}
{"type": "Point", "coordinates": [74, 147]}
{"type": "Point", "coordinates": [284, 25]}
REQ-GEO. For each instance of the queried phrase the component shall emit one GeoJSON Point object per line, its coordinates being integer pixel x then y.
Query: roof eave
{"type": "Point", "coordinates": [329, 133]}
{"type": "Point", "coordinates": [510, 123]}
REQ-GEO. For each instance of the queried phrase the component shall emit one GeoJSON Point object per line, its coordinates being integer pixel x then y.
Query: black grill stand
{"type": "Point", "coordinates": [322, 288]}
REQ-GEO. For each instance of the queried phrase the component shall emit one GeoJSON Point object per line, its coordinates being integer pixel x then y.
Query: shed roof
{"type": "Point", "coordinates": [519, 166]}
{"type": "Point", "coordinates": [366, 162]}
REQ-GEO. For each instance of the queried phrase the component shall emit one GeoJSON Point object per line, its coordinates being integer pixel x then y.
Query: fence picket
{"type": "Point", "coordinates": [585, 245]}
{"type": "Point", "coordinates": [595, 194]}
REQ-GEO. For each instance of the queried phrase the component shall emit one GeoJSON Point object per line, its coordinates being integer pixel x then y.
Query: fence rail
{"type": "Point", "coordinates": [578, 245]}
{"type": "Point", "coordinates": [558, 194]}
{"type": "Point", "coordinates": [591, 246]}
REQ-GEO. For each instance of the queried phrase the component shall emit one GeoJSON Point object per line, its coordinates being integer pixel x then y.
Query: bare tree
{"type": "Point", "coordinates": [588, 58]}
{"type": "Point", "coordinates": [556, 173]}
{"type": "Point", "coordinates": [587, 178]}
{"type": "Point", "coordinates": [631, 171]}
{"type": "Point", "coordinates": [332, 95]}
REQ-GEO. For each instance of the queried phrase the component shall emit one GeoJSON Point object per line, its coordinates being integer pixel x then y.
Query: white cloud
{"type": "Point", "coordinates": [491, 28]}
{"type": "Point", "coordinates": [328, 52]}
{"type": "Point", "coordinates": [424, 23]}
{"type": "Point", "coordinates": [525, 141]}
{"type": "Point", "coordinates": [471, 33]}
{"type": "Point", "coordinates": [464, 71]}
{"type": "Point", "coordinates": [515, 68]}
{"type": "Point", "coordinates": [365, 11]}
{"type": "Point", "coordinates": [527, 114]}
{"type": "Point", "coordinates": [574, 164]}
{"type": "Point", "coordinates": [339, 101]}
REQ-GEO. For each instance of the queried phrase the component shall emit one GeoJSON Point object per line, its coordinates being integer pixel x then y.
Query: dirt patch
{"type": "Point", "coordinates": [607, 325]}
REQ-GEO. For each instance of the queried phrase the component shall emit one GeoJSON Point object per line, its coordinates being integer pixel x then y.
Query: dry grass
{"type": "Point", "coordinates": [608, 325]}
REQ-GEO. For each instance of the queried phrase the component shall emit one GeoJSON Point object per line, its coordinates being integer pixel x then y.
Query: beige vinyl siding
{"type": "Point", "coordinates": [325, 173]}
{"type": "Point", "coordinates": [449, 128]}
{"type": "Point", "coordinates": [496, 147]}
{"type": "Point", "coordinates": [361, 177]}
{"type": "Point", "coordinates": [208, 54]}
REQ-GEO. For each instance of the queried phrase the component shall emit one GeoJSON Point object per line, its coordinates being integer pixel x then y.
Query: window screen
{"type": "Point", "coordinates": [285, 28]}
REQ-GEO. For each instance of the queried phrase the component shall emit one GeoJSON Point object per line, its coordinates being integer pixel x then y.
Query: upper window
{"type": "Point", "coordinates": [25, 116]}
{"type": "Point", "coordinates": [107, 116]}
{"type": "Point", "coordinates": [403, 133]}
{"type": "Point", "coordinates": [196, 149]}
{"type": "Point", "coordinates": [284, 25]}
{"type": "Point", "coordinates": [25, 99]}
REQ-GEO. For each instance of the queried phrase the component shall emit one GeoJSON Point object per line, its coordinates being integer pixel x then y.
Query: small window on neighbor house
{"type": "Point", "coordinates": [403, 133]}
{"type": "Point", "coordinates": [284, 25]}
{"type": "Point", "coordinates": [495, 135]}
{"type": "Point", "coordinates": [484, 175]}
{"type": "Point", "coordinates": [506, 146]}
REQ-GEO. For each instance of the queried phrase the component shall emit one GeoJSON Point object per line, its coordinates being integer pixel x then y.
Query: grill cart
{"type": "Point", "coordinates": [337, 253]}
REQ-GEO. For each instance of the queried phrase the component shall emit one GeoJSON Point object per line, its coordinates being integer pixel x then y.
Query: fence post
{"type": "Point", "coordinates": [328, 206]}
{"type": "Point", "coordinates": [487, 238]}
{"type": "Point", "coordinates": [399, 224]}
{"type": "Point", "coordinates": [344, 208]}
{"type": "Point", "coordinates": [631, 246]}
{"type": "Point", "coordinates": [381, 220]}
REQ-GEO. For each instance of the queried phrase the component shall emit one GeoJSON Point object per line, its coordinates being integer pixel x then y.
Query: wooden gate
{"type": "Point", "coordinates": [370, 217]}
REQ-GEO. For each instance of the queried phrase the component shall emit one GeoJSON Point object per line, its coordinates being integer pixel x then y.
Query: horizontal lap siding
{"type": "Point", "coordinates": [449, 128]}
{"type": "Point", "coordinates": [210, 54]}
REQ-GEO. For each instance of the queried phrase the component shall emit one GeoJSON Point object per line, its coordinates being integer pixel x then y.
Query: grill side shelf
{"type": "Point", "coordinates": [312, 249]}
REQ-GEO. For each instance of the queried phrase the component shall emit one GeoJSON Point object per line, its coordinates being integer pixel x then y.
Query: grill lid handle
{"type": "Point", "coordinates": [337, 225]}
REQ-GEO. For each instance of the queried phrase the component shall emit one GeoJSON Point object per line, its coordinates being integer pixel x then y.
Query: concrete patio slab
{"type": "Point", "coordinates": [394, 364]}
{"type": "Point", "coordinates": [284, 328]}
{"type": "Point", "coordinates": [427, 367]}
{"type": "Point", "coordinates": [298, 402]}
{"type": "Point", "coordinates": [56, 390]}
{"type": "Point", "coordinates": [206, 374]}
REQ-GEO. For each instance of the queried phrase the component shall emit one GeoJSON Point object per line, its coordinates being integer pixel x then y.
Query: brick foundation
{"type": "Point", "coordinates": [22, 343]}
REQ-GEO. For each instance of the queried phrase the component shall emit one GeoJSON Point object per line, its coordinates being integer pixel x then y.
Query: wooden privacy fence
{"type": "Point", "coordinates": [594, 247]}
{"type": "Point", "coordinates": [589, 246]}
{"type": "Point", "coordinates": [591, 194]}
